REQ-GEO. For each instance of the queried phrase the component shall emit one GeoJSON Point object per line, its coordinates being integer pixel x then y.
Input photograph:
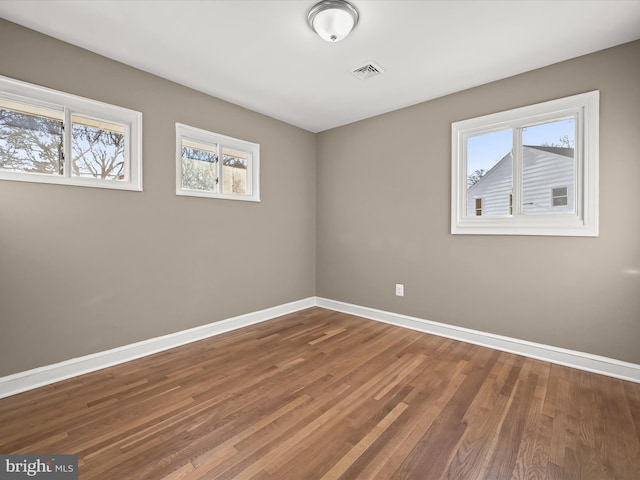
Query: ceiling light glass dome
{"type": "Point", "coordinates": [333, 20]}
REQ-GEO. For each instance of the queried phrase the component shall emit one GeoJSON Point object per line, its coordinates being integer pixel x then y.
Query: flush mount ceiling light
{"type": "Point", "coordinates": [333, 20]}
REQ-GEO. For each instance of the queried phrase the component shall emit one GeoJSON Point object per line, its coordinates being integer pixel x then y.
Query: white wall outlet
{"type": "Point", "coordinates": [399, 290]}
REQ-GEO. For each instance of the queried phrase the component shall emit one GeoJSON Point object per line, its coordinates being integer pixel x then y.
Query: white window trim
{"type": "Point", "coordinates": [584, 222]}
{"type": "Point", "coordinates": [131, 120]}
{"type": "Point", "coordinates": [222, 141]}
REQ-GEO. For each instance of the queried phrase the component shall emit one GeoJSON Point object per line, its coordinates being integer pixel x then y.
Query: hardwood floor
{"type": "Point", "coordinates": [324, 395]}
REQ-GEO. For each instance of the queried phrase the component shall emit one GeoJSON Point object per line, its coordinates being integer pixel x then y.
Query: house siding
{"type": "Point", "coordinates": [542, 171]}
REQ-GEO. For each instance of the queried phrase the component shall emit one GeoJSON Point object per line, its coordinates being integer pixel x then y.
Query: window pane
{"type": "Point", "coordinates": [489, 173]}
{"type": "Point", "coordinates": [30, 138]}
{"type": "Point", "coordinates": [559, 196]}
{"type": "Point", "coordinates": [97, 149]}
{"type": "Point", "coordinates": [548, 158]}
{"type": "Point", "coordinates": [478, 207]}
{"type": "Point", "coordinates": [234, 171]}
{"type": "Point", "coordinates": [199, 166]}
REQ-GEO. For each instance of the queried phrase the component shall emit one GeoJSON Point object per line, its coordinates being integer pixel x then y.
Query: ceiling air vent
{"type": "Point", "coordinates": [367, 71]}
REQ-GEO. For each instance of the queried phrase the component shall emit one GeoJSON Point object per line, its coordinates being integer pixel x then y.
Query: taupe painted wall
{"type": "Point", "coordinates": [84, 269]}
{"type": "Point", "coordinates": [384, 218]}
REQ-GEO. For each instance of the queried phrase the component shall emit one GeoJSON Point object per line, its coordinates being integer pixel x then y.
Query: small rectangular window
{"type": "Point", "coordinates": [216, 166]}
{"type": "Point", "coordinates": [53, 137]}
{"type": "Point", "coordinates": [535, 169]}
{"type": "Point", "coordinates": [478, 207]}
{"type": "Point", "coordinates": [559, 197]}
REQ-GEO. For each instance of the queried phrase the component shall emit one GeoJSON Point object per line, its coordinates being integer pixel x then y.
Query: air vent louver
{"type": "Point", "coordinates": [367, 71]}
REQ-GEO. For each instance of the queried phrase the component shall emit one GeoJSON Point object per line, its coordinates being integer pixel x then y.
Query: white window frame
{"type": "Point", "coordinates": [186, 132]}
{"type": "Point", "coordinates": [72, 105]}
{"type": "Point", "coordinates": [584, 222]}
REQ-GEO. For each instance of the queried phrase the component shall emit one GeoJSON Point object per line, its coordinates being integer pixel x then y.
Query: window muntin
{"type": "Point", "coordinates": [49, 136]}
{"type": "Point", "coordinates": [553, 144]}
{"type": "Point", "coordinates": [216, 166]}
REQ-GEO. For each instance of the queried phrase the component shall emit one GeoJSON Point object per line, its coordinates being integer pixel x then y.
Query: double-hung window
{"type": "Point", "coordinates": [216, 166]}
{"type": "Point", "coordinates": [528, 171]}
{"type": "Point", "coordinates": [49, 136]}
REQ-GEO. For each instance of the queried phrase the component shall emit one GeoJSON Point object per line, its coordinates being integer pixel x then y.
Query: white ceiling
{"type": "Point", "coordinates": [261, 54]}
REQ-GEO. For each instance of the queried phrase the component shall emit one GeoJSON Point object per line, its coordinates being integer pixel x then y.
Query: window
{"type": "Point", "coordinates": [216, 166]}
{"type": "Point", "coordinates": [559, 197]}
{"type": "Point", "coordinates": [53, 137]}
{"type": "Point", "coordinates": [528, 171]}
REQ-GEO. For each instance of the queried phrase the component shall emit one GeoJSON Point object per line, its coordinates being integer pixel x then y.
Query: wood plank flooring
{"type": "Point", "coordinates": [320, 395]}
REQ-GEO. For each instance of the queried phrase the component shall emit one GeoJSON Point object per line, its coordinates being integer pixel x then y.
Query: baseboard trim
{"type": "Point", "coordinates": [38, 377]}
{"type": "Point", "coordinates": [569, 358]}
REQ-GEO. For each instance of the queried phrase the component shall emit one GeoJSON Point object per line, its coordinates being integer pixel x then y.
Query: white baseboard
{"type": "Point", "coordinates": [570, 358]}
{"type": "Point", "coordinates": [38, 377]}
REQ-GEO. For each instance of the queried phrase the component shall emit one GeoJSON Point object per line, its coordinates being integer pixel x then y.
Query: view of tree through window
{"type": "Point", "coordinates": [49, 136]}
{"type": "Point", "coordinates": [199, 166]}
{"type": "Point", "coordinates": [30, 138]}
{"type": "Point", "coordinates": [234, 165]}
{"type": "Point", "coordinates": [31, 141]}
{"type": "Point", "coordinates": [97, 149]}
{"type": "Point", "coordinates": [200, 170]}
{"type": "Point", "coordinates": [212, 165]}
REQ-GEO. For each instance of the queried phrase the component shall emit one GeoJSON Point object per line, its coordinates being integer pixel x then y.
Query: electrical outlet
{"type": "Point", "coordinates": [399, 290]}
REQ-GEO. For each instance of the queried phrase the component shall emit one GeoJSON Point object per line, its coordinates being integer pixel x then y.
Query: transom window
{"type": "Point", "coordinates": [528, 171]}
{"type": "Point", "coordinates": [216, 166]}
{"type": "Point", "coordinates": [53, 137]}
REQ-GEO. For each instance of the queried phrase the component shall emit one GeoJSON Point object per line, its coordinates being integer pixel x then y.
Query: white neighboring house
{"type": "Point", "coordinates": [548, 184]}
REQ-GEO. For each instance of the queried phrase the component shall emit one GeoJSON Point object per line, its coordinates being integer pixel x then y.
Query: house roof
{"type": "Point", "coordinates": [564, 151]}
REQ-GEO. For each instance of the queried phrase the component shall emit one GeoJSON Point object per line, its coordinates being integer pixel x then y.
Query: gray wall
{"type": "Point", "coordinates": [384, 218]}
{"type": "Point", "coordinates": [85, 269]}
